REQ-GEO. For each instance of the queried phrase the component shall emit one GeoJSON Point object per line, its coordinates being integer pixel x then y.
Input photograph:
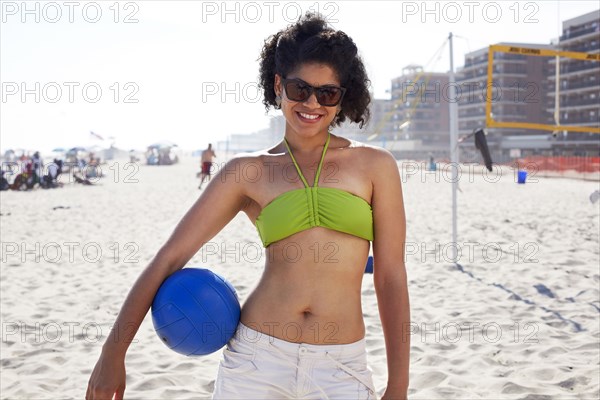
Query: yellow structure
{"type": "Point", "coordinates": [491, 123]}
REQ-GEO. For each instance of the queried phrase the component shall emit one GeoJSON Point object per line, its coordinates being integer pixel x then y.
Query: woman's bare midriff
{"type": "Point", "coordinates": [310, 291]}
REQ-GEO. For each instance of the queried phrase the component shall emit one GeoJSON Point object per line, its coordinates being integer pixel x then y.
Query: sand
{"type": "Point", "coordinates": [519, 318]}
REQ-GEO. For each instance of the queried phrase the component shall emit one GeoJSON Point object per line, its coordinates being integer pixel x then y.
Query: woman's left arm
{"type": "Point", "coordinates": [389, 272]}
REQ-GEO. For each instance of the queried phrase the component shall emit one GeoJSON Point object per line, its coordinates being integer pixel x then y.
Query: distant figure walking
{"type": "Point", "coordinates": [4, 185]}
{"type": "Point", "coordinates": [206, 164]}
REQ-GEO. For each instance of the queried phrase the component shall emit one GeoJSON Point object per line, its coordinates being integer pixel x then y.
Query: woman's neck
{"type": "Point", "coordinates": [306, 145]}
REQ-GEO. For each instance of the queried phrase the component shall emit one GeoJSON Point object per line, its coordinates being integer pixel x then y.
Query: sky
{"type": "Point", "coordinates": [137, 72]}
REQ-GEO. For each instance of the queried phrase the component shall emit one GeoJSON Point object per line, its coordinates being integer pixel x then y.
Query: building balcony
{"type": "Point", "coordinates": [498, 115]}
{"type": "Point", "coordinates": [498, 59]}
{"type": "Point", "coordinates": [581, 102]}
{"type": "Point", "coordinates": [583, 48]}
{"type": "Point", "coordinates": [566, 61]}
{"type": "Point", "coordinates": [595, 122]}
{"type": "Point", "coordinates": [577, 86]}
{"type": "Point", "coordinates": [480, 80]}
{"type": "Point", "coordinates": [477, 102]}
{"type": "Point", "coordinates": [422, 103]}
{"type": "Point", "coordinates": [478, 63]}
{"type": "Point", "coordinates": [581, 122]}
{"type": "Point", "coordinates": [497, 75]}
{"type": "Point", "coordinates": [578, 75]}
{"type": "Point", "coordinates": [509, 56]}
{"type": "Point", "coordinates": [474, 74]}
{"type": "Point", "coordinates": [576, 107]}
{"type": "Point", "coordinates": [479, 117]}
{"type": "Point", "coordinates": [471, 113]}
{"type": "Point", "coordinates": [471, 124]}
{"type": "Point", "coordinates": [510, 74]}
{"type": "Point", "coordinates": [520, 101]}
{"type": "Point", "coordinates": [510, 117]}
{"type": "Point", "coordinates": [516, 61]}
{"type": "Point", "coordinates": [574, 70]}
{"type": "Point", "coordinates": [580, 34]}
{"type": "Point", "coordinates": [574, 78]}
{"type": "Point", "coordinates": [522, 98]}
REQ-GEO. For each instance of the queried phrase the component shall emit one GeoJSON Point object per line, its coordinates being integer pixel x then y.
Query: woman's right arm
{"type": "Point", "coordinates": [222, 199]}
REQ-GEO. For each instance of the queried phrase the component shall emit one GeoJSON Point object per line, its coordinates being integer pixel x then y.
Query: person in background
{"type": "Point", "coordinates": [36, 161]}
{"type": "Point", "coordinates": [4, 185]}
{"type": "Point", "coordinates": [54, 170]}
{"type": "Point", "coordinates": [206, 164]}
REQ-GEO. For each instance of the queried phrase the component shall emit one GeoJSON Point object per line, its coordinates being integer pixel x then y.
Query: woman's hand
{"type": "Point", "coordinates": [107, 380]}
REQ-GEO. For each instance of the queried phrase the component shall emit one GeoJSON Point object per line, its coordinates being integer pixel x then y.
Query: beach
{"type": "Point", "coordinates": [518, 318]}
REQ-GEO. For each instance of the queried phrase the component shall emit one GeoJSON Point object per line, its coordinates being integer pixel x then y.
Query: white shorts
{"type": "Point", "coordinates": [258, 366]}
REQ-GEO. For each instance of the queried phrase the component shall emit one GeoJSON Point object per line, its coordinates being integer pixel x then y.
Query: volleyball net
{"type": "Point", "coordinates": [562, 95]}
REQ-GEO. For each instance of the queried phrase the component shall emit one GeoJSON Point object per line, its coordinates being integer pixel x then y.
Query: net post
{"type": "Point", "coordinates": [453, 105]}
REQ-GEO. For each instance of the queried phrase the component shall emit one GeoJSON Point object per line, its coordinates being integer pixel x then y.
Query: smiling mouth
{"type": "Point", "coordinates": [309, 117]}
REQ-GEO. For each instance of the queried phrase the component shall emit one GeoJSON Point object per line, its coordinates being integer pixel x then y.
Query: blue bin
{"type": "Point", "coordinates": [369, 266]}
{"type": "Point", "coordinates": [522, 176]}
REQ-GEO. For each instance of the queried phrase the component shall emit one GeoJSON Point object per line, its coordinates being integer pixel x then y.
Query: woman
{"type": "Point", "coordinates": [317, 202]}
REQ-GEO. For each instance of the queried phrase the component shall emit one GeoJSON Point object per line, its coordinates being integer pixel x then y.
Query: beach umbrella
{"type": "Point", "coordinates": [163, 144]}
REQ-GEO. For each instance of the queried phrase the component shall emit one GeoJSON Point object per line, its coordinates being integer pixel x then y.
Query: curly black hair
{"type": "Point", "coordinates": [312, 40]}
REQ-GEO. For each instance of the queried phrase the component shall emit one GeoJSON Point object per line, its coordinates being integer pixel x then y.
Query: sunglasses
{"type": "Point", "coordinates": [298, 90]}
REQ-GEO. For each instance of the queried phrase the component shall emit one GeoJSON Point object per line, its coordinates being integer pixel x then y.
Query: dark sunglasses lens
{"type": "Point", "coordinates": [297, 91]}
{"type": "Point", "coordinates": [329, 96]}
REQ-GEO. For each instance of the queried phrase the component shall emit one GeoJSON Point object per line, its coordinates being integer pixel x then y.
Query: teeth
{"type": "Point", "coordinates": [309, 116]}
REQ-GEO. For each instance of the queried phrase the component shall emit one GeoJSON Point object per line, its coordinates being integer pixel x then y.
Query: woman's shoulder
{"type": "Point", "coordinates": [252, 163]}
{"type": "Point", "coordinates": [369, 152]}
{"type": "Point", "coordinates": [257, 156]}
{"type": "Point", "coordinates": [374, 155]}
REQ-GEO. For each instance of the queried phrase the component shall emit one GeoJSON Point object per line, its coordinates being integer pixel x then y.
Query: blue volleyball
{"type": "Point", "coordinates": [195, 311]}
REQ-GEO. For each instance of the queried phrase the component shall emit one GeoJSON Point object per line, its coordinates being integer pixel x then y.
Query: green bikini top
{"type": "Point", "coordinates": [301, 209]}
